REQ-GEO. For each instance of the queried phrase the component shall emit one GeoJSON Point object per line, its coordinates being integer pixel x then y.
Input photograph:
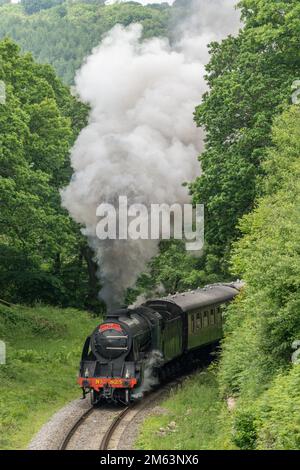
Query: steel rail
{"type": "Point", "coordinates": [74, 428]}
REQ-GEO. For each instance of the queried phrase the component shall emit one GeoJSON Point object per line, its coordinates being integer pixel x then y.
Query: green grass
{"type": "Point", "coordinates": [201, 417]}
{"type": "Point", "coordinates": [43, 352]}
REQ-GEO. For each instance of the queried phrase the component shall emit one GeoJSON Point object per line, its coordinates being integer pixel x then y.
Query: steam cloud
{"type": "Point", "coordinates": [150, 379]}
{"type": "Point", "coordinates": [141, 140]}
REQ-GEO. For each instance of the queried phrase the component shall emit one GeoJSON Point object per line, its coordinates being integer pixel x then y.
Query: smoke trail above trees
{"type": "Point", "coordinates": [141, 140]}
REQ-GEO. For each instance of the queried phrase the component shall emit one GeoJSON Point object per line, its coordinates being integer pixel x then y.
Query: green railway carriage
{"type": "Point", "coordinates": [192, 319]}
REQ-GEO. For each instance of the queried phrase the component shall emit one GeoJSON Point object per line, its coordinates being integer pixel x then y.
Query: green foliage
{"type": "Point", "coordinates": [66, 32]}
{"type": "Point", "coordinates": [43, 256]}
{"type": "Point", "coordinates": [43, 352]}
{"type": "Point", "coordinates": [172, 270]}
{"type": "Point", "coordinates": [278, 422]}
{"type": "Point", "coordinates": [33, 6]}
{"type": "Point", "coordinates": [262, 324]}
{"type": "Point", "coordinates": [201, 419]}
{"type": "Point", "coordinates": [272, 421]}
{"type": "Point", "coordinates": [11, 319]}
{"type": "Point", "coordinates": [244, 429]}
{"type": "Point", "coordinates": [249, 78]}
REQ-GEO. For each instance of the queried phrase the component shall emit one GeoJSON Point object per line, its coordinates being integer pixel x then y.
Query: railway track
{"type": "Point", "coordinates": [105, 443]}
{"type": "Point", "coordinates": [75, 427]}
{"type": "Point", "coordinates": [114, 423]}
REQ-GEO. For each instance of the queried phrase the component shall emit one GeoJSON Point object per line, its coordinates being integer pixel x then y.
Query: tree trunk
{"type": "Point", "coordinates": [92, 268]}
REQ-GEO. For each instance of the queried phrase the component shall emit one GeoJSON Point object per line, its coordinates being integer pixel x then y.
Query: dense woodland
{"type": "Point", "coordinates": [250, 188]}
{"type": "Point", "coordinates": [43, 256]}
{"type": "Point", "coordinates": [73, 28]}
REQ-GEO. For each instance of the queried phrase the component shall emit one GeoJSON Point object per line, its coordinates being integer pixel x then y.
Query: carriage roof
{"type": "Point", "coordinates": [191, 300]}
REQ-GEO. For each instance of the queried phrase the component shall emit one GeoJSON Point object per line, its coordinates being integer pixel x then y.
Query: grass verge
{"type": "Point", "coordinates": [195, 419]}
{"type": "Point", "coordinates": [43, 351]}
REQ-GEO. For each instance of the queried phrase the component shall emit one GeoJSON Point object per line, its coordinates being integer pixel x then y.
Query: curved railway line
{"type": "Point", "coordinates": [75, 427]}
{"type": "Point", "coordinates": [114, 423]}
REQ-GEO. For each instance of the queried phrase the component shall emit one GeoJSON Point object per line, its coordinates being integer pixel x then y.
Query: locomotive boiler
{"type": "Point", "coordinates": [166, 334]}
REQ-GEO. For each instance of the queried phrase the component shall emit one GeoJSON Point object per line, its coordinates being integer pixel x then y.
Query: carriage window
{"type": "Point", "coordinates": [198, 321]}
{"type": "Point", "coordinates": [205, 319]}
{"type": "Point", "coordinates": [193, 323]}
{"type": "Point", "coordinates": [212, 317]}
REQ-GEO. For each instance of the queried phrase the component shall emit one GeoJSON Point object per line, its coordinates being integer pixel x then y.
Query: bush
{"type": "Point", "coordinates": [278, 412]}
{"type": "Point", "coordinates": [244, 430]}
{"type": "Point", "coordinates": [272, 422]}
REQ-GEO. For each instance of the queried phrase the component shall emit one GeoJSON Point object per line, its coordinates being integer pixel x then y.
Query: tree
{"type": "Point", "coordinates": [249, 79]}
{"type": "Point", "coordinates": [34, 6]}
{"type": "Point", "coordinates": [263, 324]}
{"type": "Point", "coordinates": [63, 33]}
{"type": "Point", "coordinates": [172, 270]}
{"type": "Point", "coordinates": [40, 247]}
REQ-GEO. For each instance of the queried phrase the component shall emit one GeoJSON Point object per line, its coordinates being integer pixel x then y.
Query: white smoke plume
{"type": "Point", "coordinates": [159, 291]}
{"type": "Point", "coordinates": [150, 379]}
{"type": "Point", "coordinates": [141, 141]}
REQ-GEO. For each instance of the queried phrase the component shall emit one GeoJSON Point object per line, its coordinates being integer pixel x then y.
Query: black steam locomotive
{"type": "Point", "coordinates": [166, 335]}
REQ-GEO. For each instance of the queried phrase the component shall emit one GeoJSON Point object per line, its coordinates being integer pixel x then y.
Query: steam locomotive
{"type": "Point", "coordinates": [165, 335]}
